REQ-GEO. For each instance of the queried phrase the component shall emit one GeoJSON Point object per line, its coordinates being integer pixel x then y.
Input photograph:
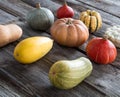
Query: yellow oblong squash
{"type": "Point", "coordinates": [32, 49]}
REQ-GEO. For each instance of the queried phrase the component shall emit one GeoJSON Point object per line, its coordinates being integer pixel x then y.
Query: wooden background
{"type": "Point", "coordinates": [17, 80]}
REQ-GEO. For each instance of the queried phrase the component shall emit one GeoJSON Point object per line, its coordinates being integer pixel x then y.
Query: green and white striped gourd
{"type": "Point", "coordinates": [66, 74]}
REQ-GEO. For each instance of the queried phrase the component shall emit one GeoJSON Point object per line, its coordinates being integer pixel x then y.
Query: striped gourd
{"type": "Point", "coordinates": [92, 19]}
{"type": "Point", "coordinates": [66, 74]}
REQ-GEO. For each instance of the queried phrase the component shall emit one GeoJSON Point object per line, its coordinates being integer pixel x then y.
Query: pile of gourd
{"type": "Point", "coordinates": [66, 31]}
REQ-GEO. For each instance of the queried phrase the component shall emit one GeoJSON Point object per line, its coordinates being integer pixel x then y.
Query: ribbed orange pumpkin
{"type": "Point", "coordinates": [69, 32]}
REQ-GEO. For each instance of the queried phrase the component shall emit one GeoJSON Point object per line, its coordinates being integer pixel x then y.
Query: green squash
{"type": "Point", "coordinates": [66, 74]}
{"type": "Point", "coordinates": [40, 18]}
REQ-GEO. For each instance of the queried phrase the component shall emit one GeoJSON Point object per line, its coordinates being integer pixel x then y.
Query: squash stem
{"type": "Point", "coordinates": [65, 3]}
{"type": "Point", "coordinates": [69, 22]}
{"type": "Point", "coordinates": [105, 37]}
{"type": "Point", "coordinates": [38, 5]}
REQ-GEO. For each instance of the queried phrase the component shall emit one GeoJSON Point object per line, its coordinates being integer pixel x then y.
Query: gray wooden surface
{"type": "Point", "coordinates": [17, 80]}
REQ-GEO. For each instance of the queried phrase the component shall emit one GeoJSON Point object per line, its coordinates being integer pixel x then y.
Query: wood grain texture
{"type": "Point", "coordinates": [7, 90]}
{"type": "Point", "coordinates": [5, 17]}
{"type": "Point", "coordinates": [108, 6]}
{"type": "Point", "coordinates": [15, 8]}
{"type": "Point", "coordinates": [32, 80]}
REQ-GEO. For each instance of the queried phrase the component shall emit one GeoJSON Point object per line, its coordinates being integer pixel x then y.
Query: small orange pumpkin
{"type": "Point", "coordinates": [69, 32]}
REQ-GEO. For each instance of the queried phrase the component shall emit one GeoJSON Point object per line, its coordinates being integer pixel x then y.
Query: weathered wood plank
{"type": "Point", "coordinates": [23, 90]}
{"type": "Point", "coordinates": [34, 78]}
{"type": "Point", "coordinates": [15, 7]}
{"type": "Point", "coordinates": [109, 6]}
{"type": "Point", "coordinates": [5, 17]}
{"type": "Point", "coordinates": [7, 90]}
{"type": "Point", "coordinates": [44, 89]}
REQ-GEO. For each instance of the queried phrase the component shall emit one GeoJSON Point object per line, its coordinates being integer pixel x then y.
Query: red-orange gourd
{"type": "Point", "coordinates": [101, 50]}
{"type": "Point", "coordinates": [69, 32]}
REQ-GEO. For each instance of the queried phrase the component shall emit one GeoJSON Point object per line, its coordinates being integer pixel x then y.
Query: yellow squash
{"type": "Point", "coordinates": [31, 49]}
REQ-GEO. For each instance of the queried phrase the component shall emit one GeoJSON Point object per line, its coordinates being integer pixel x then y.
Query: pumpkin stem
{"type": "Point", "coordinates": [38, 5]}
{"type": "Point", "coordinates": [69, 22]}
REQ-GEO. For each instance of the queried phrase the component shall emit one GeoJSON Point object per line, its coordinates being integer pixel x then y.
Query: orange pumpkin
{"type": "Point", "coordinates": [69, 32]}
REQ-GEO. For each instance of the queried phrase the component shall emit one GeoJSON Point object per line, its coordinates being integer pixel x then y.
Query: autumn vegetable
{"type": "Point", "coordinates": [32, 49]}
{"type": "Point", "coordinates": [101, 50]}
{"type": "Point", "coordinates": [92, 19]}
{"type": "Point", "coordinates": [69, 32]}
{"type": "Point", "coordinates": [65, 11]}
{"type": "Point", "coordinates": [66, 74]}
{"type": "Point", "coordinates": [9, 33]}
{"type": "Point", "coordinates": [113, 34]}
{"type": "Point", "coordinates": [40, 18]}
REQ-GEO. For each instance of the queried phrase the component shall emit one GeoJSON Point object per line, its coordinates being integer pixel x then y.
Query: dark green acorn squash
{"type": "Point", "coordinates": [40, 18]}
